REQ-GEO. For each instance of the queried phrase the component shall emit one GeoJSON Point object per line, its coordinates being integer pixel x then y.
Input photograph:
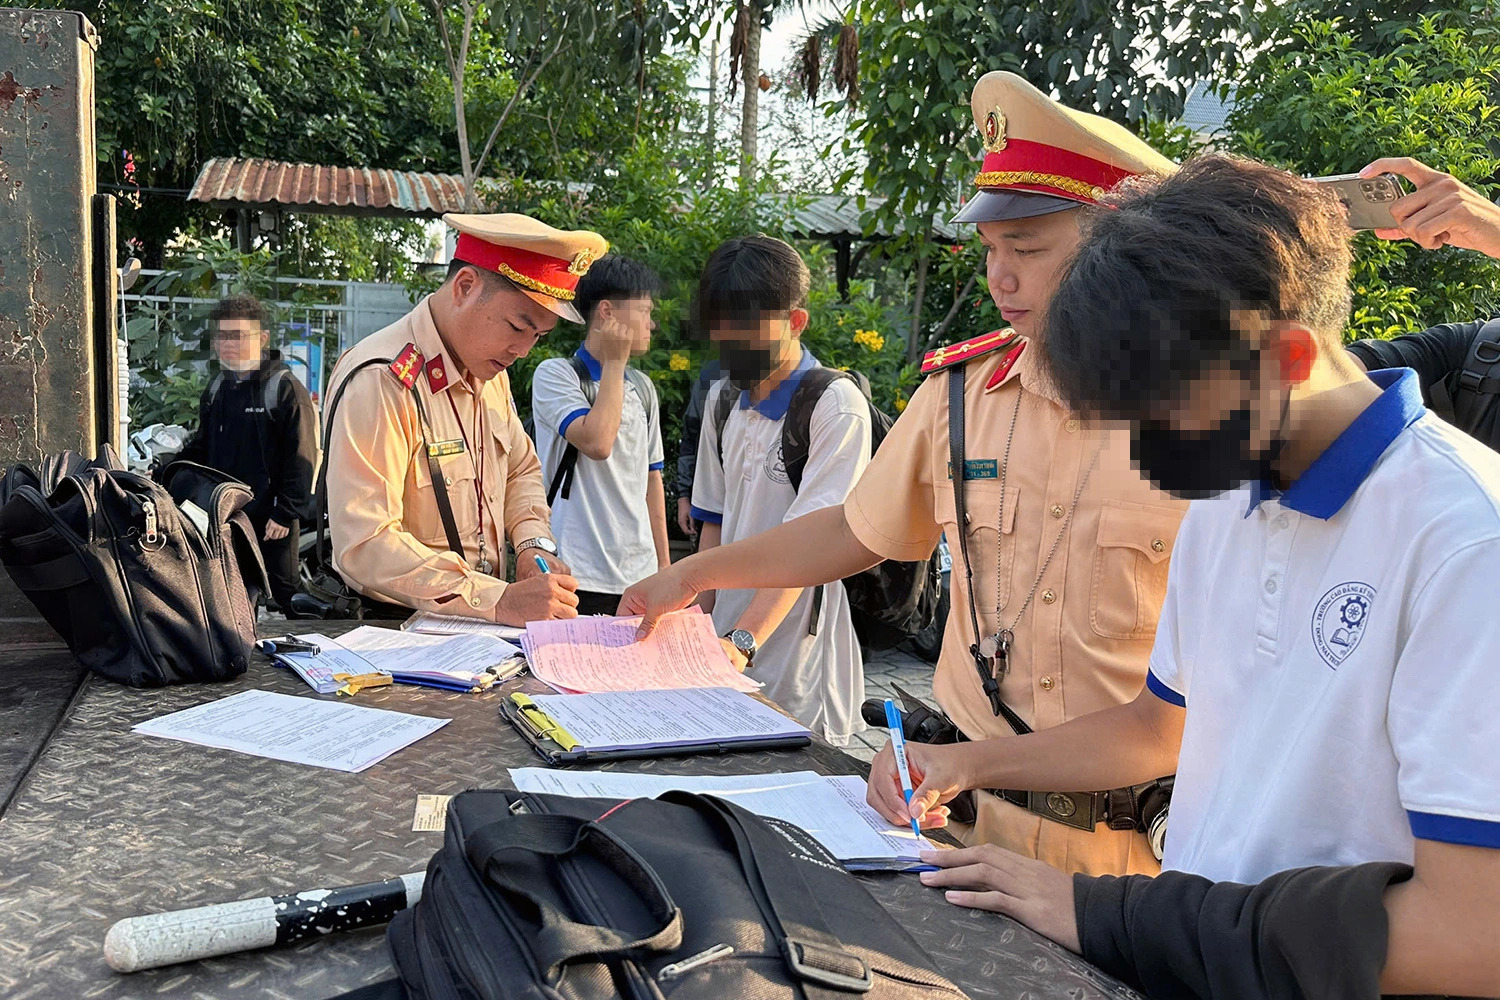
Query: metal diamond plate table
{"type": "Point", "coordinates": [104, 824]}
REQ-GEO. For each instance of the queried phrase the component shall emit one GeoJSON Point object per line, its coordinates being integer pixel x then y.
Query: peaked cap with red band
{"type": "Point", "coordinates": [543, 262]}
{"type": "Point", "coordinates": [1041, 157]}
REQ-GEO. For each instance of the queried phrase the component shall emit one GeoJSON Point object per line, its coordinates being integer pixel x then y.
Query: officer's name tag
{"type": "Point", "coordinates": [455, 447]}
{"type": "Point", "coordinates": [978, 468]}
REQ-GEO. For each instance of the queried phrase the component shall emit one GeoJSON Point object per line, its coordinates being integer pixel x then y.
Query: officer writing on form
{"type": "Point", "coordinates": [429, 471]}
{"type": "Point", "coordinates": [1066, 544]}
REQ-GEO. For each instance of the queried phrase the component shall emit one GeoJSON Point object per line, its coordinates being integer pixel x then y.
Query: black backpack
{"type": "Point", "coordinates": [1468, 398]}
{"type": "Point", "coordinates": [546, 897]}
{"type": "Point", "coordinates": [148, 584]}
{"type": "Point", "coordinates": [891, 601]}
{"type": "Point", "coordinates": [562, 477]}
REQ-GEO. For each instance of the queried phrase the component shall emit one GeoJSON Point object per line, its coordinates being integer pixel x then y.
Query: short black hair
{"type": "Point", "coordinates": [614, 277]}
{"type": "Point", "coordinates": [749, 276]}
{"type": "Point", "coordinates": [1163, 286]}
{"type": "Point", "coordinates": [239, 306]}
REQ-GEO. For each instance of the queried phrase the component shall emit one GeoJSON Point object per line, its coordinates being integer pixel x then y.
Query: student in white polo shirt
{"type": "Point", "coordinates": [800, 643]}
{"type": "Point", "coordinates": [1329, 648]}
{"type": "Point", "coordinates": [598, 433]}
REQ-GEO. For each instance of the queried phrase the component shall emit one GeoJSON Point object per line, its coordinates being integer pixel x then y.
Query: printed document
{"type": "Point", "coordinates": [318, 669]}
{"type": "Point", "coordinates": [600, 653]}
{"type": "Point", "coordinates": [435, 624]}
{"type": "Point", "coordinates": [620, 720]}
{"type": "Point", "coordinates": [450, 660]}
{"type": "Point", "coordinates": [859, 839]}
{"type": "Point", "coordinates": [332, 734]}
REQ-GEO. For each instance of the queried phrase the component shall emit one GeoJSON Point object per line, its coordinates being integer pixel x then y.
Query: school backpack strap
{"type": "Point", "coordinates": [723, 407]}
{"type": "Point", "coordinates": [958, 470]}
{"type": "Point", "coordinates": [562, 479]}
{"type": "Point", "coordinates": [1474, 392]}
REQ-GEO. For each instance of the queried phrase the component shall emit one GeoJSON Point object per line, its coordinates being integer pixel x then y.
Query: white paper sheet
{"type": "Point", "coordinates": [311, 731]}
{"type": "Point", "coordinates": [600, 653]}
{"type": "Point", "coordinates": [431, 624]}
{"type": "Point", "coordinates": [802, 798]}
{"type": "Point", "coordinates": [461, 658]}
{"type": "Point", "coordinates": [616, 720]}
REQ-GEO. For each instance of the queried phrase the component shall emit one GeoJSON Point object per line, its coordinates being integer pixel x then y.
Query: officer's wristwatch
{"type": "Point", "coordinates": [743, 640]}
{"type": "Point", "coordinates": [542, 542]}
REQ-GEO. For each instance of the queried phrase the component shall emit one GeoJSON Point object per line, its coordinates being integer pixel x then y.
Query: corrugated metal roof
{"type": "Point", "coordinates": [331, 189]}
{"type": "Point", "coordinates": [1204, 111]}
{"type": "Point", "coordinates": [824, 216]}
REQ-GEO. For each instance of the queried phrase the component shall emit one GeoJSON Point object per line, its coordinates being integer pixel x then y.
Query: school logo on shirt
{"type": "Point", "coordinates": [1338, 621]}
{"type": "Point", "coordinates": [776, 465]}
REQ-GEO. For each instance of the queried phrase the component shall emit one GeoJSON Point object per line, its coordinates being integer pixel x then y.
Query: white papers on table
{"type": "Point", "coordinates": [433, 624]}
{"type": "Point", "coordinates": [600, 653]}
{"type": "Point", "coordinates": [859, 838]}
{"type": "Point", "coordinates": [319, 669]}
{"type": "Point", "coordinates": [311, 731]}
{"type": "Point", "coordinates": [621, 720]}
{"type": "Point", "coordinates": [462, 661]}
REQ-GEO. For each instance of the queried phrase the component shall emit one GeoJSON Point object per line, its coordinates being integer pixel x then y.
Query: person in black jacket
{"type": "Point", "coordinates": [256, 422]}
{"type": "Point", "coordinates": [1443, 211]}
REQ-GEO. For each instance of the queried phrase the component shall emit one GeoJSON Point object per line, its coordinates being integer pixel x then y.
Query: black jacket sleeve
{"type": "Point", "coordinates": [196, 449]}
{"type": "Point", "coordinates": [1435, 353]}
{"type": "Point", "coordinates": [296, 453]}
{"type": "Point", "coordinates": [1316, 933]}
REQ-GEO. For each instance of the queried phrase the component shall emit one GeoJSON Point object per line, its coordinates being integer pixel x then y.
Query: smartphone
{"type": "Point", "coordinates": [1368, 199]}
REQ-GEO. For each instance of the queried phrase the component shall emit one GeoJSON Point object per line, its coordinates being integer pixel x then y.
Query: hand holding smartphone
{"type": "Point", "coordinates": [1368, 199]}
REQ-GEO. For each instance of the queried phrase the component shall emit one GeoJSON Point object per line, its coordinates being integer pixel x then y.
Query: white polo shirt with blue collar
{"type": "Point", "coordinates": [603, 528]}
{"type": "Point", "coordinates": [817, 677]}
{"type": "Point", "coordinates": [1337, 647]}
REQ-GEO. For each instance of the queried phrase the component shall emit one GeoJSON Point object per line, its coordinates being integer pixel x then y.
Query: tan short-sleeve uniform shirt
{"type": "Point", "coordinates": [387, 534]}
{"type": "Point", "coordinates": [1083, 642]}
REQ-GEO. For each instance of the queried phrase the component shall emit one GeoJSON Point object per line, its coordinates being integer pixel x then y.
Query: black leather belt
{"type": "Point", "coordinates": [1118, 807]}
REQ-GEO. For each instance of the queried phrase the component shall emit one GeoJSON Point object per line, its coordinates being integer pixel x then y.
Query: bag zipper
{"type": "Point", "coordinates": [114, 548]}
{"type": "Point", "coordinates": [676, 969]}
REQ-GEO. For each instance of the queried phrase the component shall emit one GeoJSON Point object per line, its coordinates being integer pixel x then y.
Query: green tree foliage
{"type": "Point", "coordinates": [1329, 98]}
{"type": "Point", "coordinates": [918, 64]}
{"type": "Point", "coordinates": [180, 81]}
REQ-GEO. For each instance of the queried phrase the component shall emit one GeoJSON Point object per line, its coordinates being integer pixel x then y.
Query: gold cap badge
{"type": "Point", "coordinates": [994, 131]}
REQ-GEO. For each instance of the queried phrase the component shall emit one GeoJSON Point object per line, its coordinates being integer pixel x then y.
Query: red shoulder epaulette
{"type": "Point", "coordinates": [966, 350]}
{"type": "Point", "coordinates": [406, 365]}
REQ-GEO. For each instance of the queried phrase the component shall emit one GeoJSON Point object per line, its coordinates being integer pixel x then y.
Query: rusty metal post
{"type": "Point", "coordinates": [49, 370]}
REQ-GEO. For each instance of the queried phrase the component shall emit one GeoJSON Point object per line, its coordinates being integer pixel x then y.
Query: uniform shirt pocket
{"type": "Point", "coordinates": [1130, 568]}
{"type": "Point", "coordinates": [991, 542]}
{"type": "Point", "coordinates": [423, 518]}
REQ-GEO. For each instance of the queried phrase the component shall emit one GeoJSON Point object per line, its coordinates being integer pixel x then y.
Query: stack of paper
{"type": "Point", "coordinates": [332, 734]}
{"type": "Point", "coordinates": [598, 653]}
{"type": "Point", "coordinates": [433, 624]}
{"type": "Point", "coordinates": [457, 662]}
{"type": "Point", "coordinates": [832, 809]}
{"type": "Point", "coordinates": [461, 662]}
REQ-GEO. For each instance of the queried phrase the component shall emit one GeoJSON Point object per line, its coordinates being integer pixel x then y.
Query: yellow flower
{"type": "Point", "coordinates": [678, 362]}
{"type": "Point", "coordinates": [870, 340]}
{"type": "Point", "coordinates": [900, 404]}
{"type": "Point", "coordinates": [841, 321]}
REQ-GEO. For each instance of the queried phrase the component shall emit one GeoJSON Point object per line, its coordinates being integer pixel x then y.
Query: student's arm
{"type": "Point", "coordinates": [708, 541]}
{"type": "Point", "coordinates": [297, 453]}
{"type": "Point", "coordinates": [767, 610]}
{"type": "Point", "coordinates": [594, 432]}
{"type": "Point", "coordinates": [196, 449]}
{"type": "Point", "coordinates": [1435, 353]}
{"type": "Point", "coordinates": [1443, 924]}
{"type": "Point", "coordinates": [1112, 748]}
{"type": "Point", "coordinates": [656, 507]}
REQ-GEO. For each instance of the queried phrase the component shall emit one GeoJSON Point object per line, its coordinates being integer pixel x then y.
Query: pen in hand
{"type": "Point", "coordinates": [541, 564]}
{"type": "Point", "coordinates": [898, 747]}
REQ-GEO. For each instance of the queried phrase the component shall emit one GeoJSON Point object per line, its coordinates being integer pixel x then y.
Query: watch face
{"type": "Point", "coordinates": [545, 544]}
{"type": "Point", "coordinates": [744, 640]}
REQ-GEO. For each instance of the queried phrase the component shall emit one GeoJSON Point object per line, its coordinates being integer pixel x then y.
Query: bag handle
{"type": "Point", "coordinates": [492, 848]}
{"type": "Point", "coordinates": [771, 858]}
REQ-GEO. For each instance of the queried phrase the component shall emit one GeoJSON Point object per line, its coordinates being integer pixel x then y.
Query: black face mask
{"type": "Point", "coordinates": [1194, 467]}
{"type": "Point", "coordinates": [747, 364]}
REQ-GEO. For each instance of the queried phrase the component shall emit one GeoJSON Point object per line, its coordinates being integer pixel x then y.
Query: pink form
{"type": "Point", "coordinates": [585, 655]}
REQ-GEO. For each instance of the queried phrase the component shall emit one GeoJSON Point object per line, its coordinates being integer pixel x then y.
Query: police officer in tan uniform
{"type": "Point", "coordinates": [429, 471]}
{"type": "Point", "coordinates": [1067, 545]}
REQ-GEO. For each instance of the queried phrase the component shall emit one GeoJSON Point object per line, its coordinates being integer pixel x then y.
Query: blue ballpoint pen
{"type": "Point", "coordinates": [541, 564]}
{"type": "Point", "coordinates": [898, 747]}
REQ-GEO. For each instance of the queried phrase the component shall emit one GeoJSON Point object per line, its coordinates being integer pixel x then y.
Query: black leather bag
{"type": "Point", "coordinates": [687, 896]}
{"type": "Point", "coordinates": [149, 584]}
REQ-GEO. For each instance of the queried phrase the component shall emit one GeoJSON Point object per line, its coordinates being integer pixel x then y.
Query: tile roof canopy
{"type": "Point", "coordinates": [352, 190]}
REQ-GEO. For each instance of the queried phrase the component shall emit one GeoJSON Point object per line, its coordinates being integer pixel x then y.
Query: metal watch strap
{"type": "Point", "coordinates": [958, 472]}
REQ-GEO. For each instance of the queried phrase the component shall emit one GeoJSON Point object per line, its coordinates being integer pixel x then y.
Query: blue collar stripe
{"type": "Point", "coordinates": [779, 399]}
{"type": "Point", "coordinates": [1334, 476]}
{"type": "Point", "coordinates": [596, 370]}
